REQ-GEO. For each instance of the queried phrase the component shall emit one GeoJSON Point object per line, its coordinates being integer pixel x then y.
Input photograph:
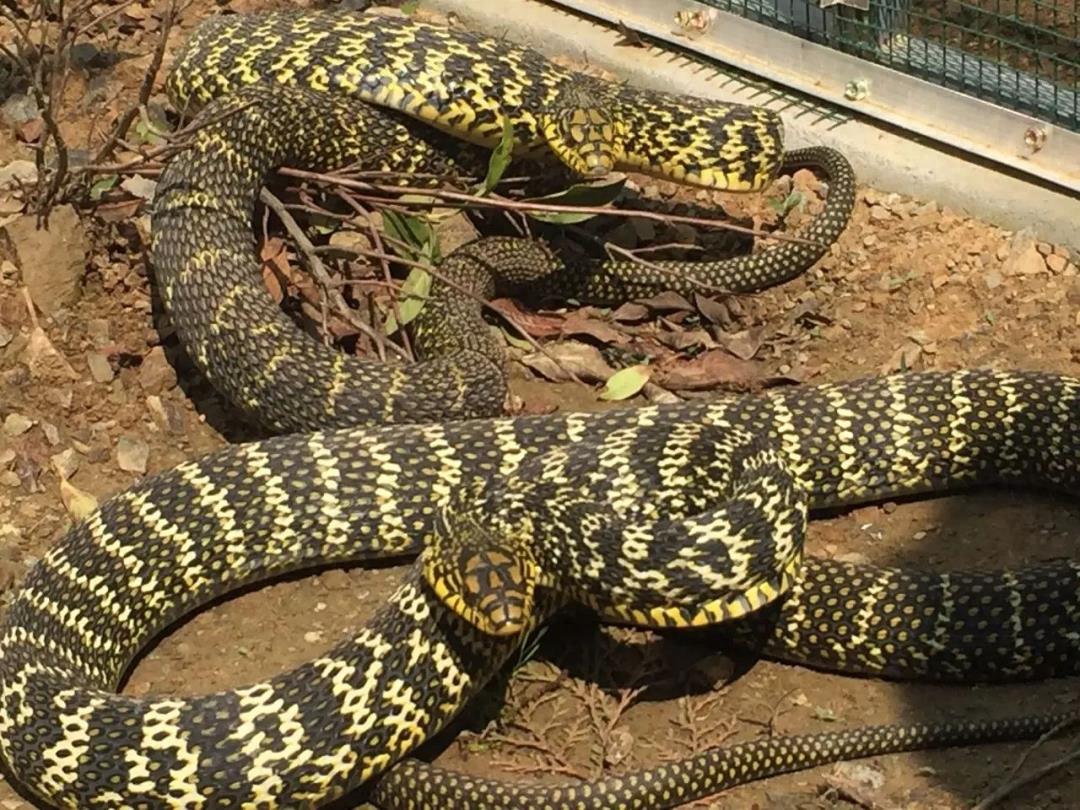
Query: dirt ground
{"type": "Point", "coordinates": [97, 398]}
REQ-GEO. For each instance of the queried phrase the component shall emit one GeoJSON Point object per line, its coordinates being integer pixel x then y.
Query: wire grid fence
{"type": "Point", "coordinates": [1021, 54]}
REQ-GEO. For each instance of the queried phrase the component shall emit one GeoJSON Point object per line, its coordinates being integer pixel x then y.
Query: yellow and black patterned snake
{"type": "Point", "coordinates": [675, 515]}
{"type": "Point", "coordinates": [325, 90]}
{"type": "Point", "coordinates": [252, 511]}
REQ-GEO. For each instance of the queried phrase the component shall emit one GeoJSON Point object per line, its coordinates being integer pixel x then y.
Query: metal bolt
{"type": "Point", "coordinates": [857, 89]}
{"type": "Point", "coordinates": [1035, 138]}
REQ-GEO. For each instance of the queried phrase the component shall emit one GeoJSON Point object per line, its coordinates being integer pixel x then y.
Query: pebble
{"type": "Point", "coordinates": [52, 434]}
{"type": "Point", "coordinates": [155, 374]}
{"type": "Point", "coordinates": [18, 172]}
{"type": "Point", "coordinates": [18, 109]}
{"type": "Point", "coordinates": [10, 478]}
{"type": "Point", "coordinates": [66, 463]}
{"type": "Point", "coordinates": [335, 580]}
{"type": "Point", "coordinates": [993, 279]}
{"type": "Point", "coordinates": [52, 260]}
{"type": "Point", "coordinates": [100, 368]}
{"type": "Point", "coordinates": [132, 454]}
{"type": "Point", "coordinates": [879, 213]}
{"type": "Point", "coordinates": [166, 415]}
{"type": "Point", "coordinates": [15, 424]}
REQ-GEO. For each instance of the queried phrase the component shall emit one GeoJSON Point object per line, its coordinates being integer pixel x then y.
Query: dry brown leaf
{"type": "Point", "coordinates": [707, 370]}
{"type": "Point", "coordinates": [630, 312]}
{"type": "Point", "coordinates": [581, 359]}
{"type": "Point", "coordinates": [683, 339]}
{"type": "Point", "coordinates": [717, 312]}
{"type": "Point", "coordinates": [666, 302]}
{"type": "Point", "coordinates": [579, 323]}
{"type": "Point", "coordinates": [535, 324]}
{"type": "Point", "coordinates": [744, 344]}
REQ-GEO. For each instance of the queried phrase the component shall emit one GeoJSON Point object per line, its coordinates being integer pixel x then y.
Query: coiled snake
{"type": "Point", "coordinates": [321, 69]}
{"type": "Point", "coordinates": [665, 515]}
{"type": "Point", "coordinates": [176, 540]}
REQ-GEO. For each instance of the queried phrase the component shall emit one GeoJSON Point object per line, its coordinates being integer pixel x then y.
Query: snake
{"type": "Point", "coordinates": [323, 90]}
{"type": "Point", "coordinates": [247, 512]}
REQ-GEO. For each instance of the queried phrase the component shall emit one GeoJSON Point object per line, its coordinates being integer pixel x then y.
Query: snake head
{"type": "Point", "coordinates": [583, 131]}
{"type": "Point", "coordinates": [486, 580]}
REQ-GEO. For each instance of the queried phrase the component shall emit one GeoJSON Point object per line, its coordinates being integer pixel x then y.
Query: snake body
{"type": "Point", "coordinates": [247, 512]}
{"type": "Point", "coordinates": [302, 90]}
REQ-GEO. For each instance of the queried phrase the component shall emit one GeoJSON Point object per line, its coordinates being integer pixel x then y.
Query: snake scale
{"type": "Point", "coordinates": [293, 88]}
{"type": "Point", "coordinates": [698, 541]}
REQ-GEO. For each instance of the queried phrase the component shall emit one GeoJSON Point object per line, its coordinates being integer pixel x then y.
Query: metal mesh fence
{"type": "Point", "coordinates": [1022, 54]}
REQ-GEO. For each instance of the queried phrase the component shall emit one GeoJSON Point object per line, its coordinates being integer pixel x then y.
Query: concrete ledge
{"type": "Point", "coordinates": [882, 158]}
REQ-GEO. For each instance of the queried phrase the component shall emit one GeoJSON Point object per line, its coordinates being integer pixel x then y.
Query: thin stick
{"type": "Point", "coordinates": [318, 269]}
{"type": "Point", "coordinates": [522, 205]}
{"type": "Point", "coordinates": [1014, 783]}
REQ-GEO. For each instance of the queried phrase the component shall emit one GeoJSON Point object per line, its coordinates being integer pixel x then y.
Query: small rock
{"type": "Point", "coordinates": [10, 478]}
{"type": "Point", "coordinates": [166, 415]}
{"type": "Point", "coordinates": [52, 435]}
{"type": "Point", "coordinates": [132, 454]}
{"type": "Point", "coordinates": [18, 109]}
{"type": "Point", "coordinates": [97, 329]}
{"type": "Point", "coordinates": [1045, 248]}
{"type": "Point", "coordinates": [18, 172]}
{"type": "Point", "coordinates": [155, 374]}
{"type": "Point", "coordinates": [66, 462]}
{"type": "Point", "coordinates": [15, 424]}
{"type": "Point", "coordinates": [100, 369]}
{"type": "Point", "coordinates": [880, 213]}
{"type": "Point", "coordinates": [939, 280]}
{"type": "Point", "coordinates": [993, 279]}
{"type": "Point", "coordinates": [313, 636]}
{"type": "Point", "coordinates": [335, 580]}
{"type": "Point", "coordinates": [139, 186]}
{"type": "Point", "coordinates": [5, 336]}
{"type": "Point", "coordinates": [52, 260]}
{"type": "Point", "coordinates": [1056, 263]}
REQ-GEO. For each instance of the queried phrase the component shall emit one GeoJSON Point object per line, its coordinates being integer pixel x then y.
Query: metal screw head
{"type": "Point", "coordinates": [1035, 138]}
{"type": "Point", "coordinates": [857, 89]}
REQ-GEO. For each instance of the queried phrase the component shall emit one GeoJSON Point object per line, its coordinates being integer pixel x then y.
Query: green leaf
{"type": "Point", "coordinates": [413, 296]}
{"type": "Point", "coordinates": [408, 8]}
{"type": "Point", "coordinates": [414, 232]}
{"type": "Point", "coordinates": [626, 382]}
{"type": "Point", "coordinates": [99, 187]}
{"type": "Point", "coordinates": [501, 156]}
{"type": "Point", "coordinates": [789, 202]}
{"type": "Point", "coordinates": [593, 195]}
{"type": "Point", "coordinates": [517, 342]}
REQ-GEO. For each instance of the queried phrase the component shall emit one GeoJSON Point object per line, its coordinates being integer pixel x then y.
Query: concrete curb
{"type": "Point", "coordinates": [881, 157]}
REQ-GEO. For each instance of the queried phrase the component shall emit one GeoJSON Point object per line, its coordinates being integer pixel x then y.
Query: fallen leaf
{"type": "Point", "coordinates": [79, 504]}
{"type": "Point", "coordinates": [682, 339]}
{"type": "Point", "coordinates": [714, 311]}
{"type": "Point", "coordinates": [537, 325]}
{"type": "Point", "coordinates": [666, 301]}
{"type": "Point", "coordinates": [579, 323]}
{"type": "Point", "coordinates": [626, 382]}
{"type": "Point", "coordinates": [630, 312]}
{"type": "Point", "coordinates": [581, 359]}
{"type": "Point", "coordinates": [744, 344]}
{"type": "Point", "coordinates": [707, 370]}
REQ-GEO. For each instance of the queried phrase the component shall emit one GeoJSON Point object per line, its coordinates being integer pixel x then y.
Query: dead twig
{"type": "Point", "coordinates": [319, 271]}
{"type": "Point", "coordinates": [146, 87]}
{"type": "Point", "coordinates": [493, 201]}
{"type": "Point", "coordinates": [1013, 782]}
